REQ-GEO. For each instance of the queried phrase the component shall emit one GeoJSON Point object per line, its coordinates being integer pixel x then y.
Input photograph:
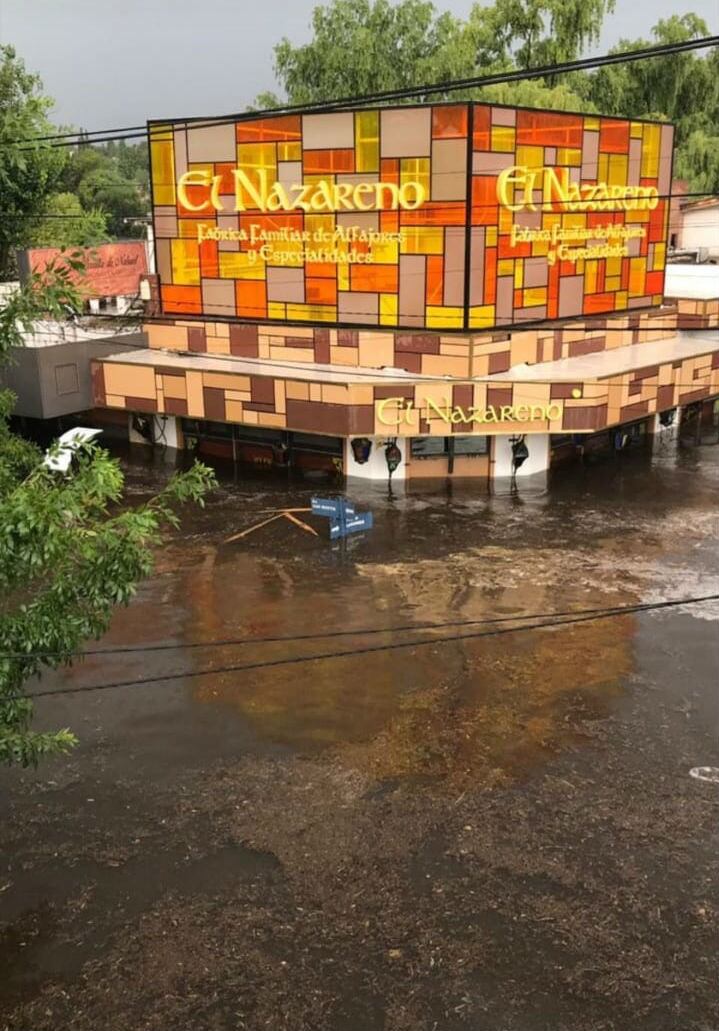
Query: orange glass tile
{"type": "Point", "coordinates": [625, 273]}
{"type": "Point", "coordinates": [181, 299]}
{"type": "Point", "coordinates": [225, 170]}
{"type": "Point", "coordinates": [316, 161]}
{"type": "Point", "coordinates": [375, 278]}
{"type": "Point", "coordinates": [490, 272]}
{"type": "Point", "coordinates": [654, 283]}
{"type": "Point", "coordinates": [613, 137]}
{"type": "Point", "coordinates": [320, 270]}
{"type": "Point", "coordinates": [208, 259]}
{"type": "Point", "coordinates": [389, 170]}
{"type": "Point", "coordinates": [449, 121]}
{"type": "Point", "coordinates": [439, 213]}
{"type": "Point", "coordinates": [485, 207]}
{"type": "Point", "coordinates": [601, 276]}
{"type": "Point", "coordinates": [321, 291]}
{"type": "Point", "coordinates": [196, 195]}
{"type": "Point", "coordinates": [389, 221]}
{"type": "Point", "coordinates": [594, 303]}
{"type": "Point", "coordinates": [520, 250]}
{"type": "Point", "coordinates": [549, 129]}
{"type": "Point", "coordinates": [481, 128]}
{"type": "Point", "coordinates": [435, 279]}
{"type": "Point", "coordinates": [251, 298]}
{"type": "Point", "coordinates": [263, 130]}
{"type": "Point", "coordinates": [517, 298]}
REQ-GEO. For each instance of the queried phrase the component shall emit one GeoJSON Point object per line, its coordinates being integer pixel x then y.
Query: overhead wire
{"type": "Point", "coordinates": [394, 646]}
{"type": "Point", "coordinates": [404, 93]}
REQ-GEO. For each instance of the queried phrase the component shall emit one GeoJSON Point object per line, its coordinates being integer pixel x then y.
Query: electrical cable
{"type": "Point", "coordinates": [409, 92]}
{"type": "Point", "coordinates": [361, 632]}
{"type": "Point", "coordinates": [606, 614]}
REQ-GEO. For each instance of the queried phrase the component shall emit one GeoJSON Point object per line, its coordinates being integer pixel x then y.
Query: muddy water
{"type": "Point", "coordinates": [497, 831]}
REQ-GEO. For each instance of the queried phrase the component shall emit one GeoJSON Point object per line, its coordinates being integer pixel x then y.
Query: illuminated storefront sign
{"type": "Point", "coordinates": [323, 195]}
{"type": "Point", "coordinates": [447, 216]}
{"type": "Point", "coordinates": [396, 411]}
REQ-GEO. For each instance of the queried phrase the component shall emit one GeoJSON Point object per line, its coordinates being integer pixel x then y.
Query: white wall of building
{"type": "Point", "coordinates": [375, 468]}
{"type": "Point", "coordinates": [501, 456]}
{"type": "Point", "coordinates": [700, 228]}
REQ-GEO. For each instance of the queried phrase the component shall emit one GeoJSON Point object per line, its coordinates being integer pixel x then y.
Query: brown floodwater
{"type": "Point", "coordinates": [343, 817]}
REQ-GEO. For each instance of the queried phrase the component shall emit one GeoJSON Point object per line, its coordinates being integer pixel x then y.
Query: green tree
{"type": "Point", "coordinates": [682, 88]}
{"type": "Point", "coordinates": [364, 46]}
{"type": "Point", "coordinates": [68, 224]}
{"type": "Point", "coordinates": [28, 172]}
{"type": "Point", "coordinates": [69, 550]}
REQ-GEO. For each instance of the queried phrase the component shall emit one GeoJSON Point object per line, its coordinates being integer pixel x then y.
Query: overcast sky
{"type": "Point", "coordinates": [111, 63]}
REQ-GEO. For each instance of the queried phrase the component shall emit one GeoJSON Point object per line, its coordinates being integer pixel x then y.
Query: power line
{"type": "Point", "coordinates": [361, 632]}
{"type": "Point", "coordinates": [404, 93]}
{"type": "Point", "coordinates": [273, 663]}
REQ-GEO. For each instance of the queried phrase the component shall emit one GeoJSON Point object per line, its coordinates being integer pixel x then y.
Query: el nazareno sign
{"type": "Point", "coordinates": [451, 216]}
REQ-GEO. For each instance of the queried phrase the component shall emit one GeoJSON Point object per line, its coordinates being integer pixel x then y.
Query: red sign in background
{"type": "Point", "coordinates": [111, 270]}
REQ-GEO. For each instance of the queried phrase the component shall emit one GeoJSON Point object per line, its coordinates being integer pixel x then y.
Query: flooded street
{"type": "Point", "coordinates": [497, 832]}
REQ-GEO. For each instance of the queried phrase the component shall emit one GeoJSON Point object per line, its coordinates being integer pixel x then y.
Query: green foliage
{"type": "Point", "coordinates": [682, 88]}
{"type": "Point", "coordinates": [112, 179]}
{"type": "Point", "coordinates": [363, 46]}
{"type": "Point", "coordinates": [69, 551]}
{"type": "Point", "coordinates": [28, 173]}
{"type": "Point", "coordinates": [69, 224]}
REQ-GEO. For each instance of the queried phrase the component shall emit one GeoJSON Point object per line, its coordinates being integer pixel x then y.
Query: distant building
{"type": "Point", "coordinates": [700, 228]}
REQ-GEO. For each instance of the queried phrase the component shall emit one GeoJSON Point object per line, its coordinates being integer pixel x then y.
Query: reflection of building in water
{"type": "Point", "coordinates": [478, 709]}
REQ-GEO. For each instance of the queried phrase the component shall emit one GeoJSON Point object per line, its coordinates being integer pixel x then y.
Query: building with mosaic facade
{"type": "Point", "coordinates": [449, 279]}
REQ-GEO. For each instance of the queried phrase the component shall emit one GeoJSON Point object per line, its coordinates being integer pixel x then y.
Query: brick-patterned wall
{"type": "Point", "coordinates": [352, 408]}
{"type": "Point", "coordinates": [423, 353]}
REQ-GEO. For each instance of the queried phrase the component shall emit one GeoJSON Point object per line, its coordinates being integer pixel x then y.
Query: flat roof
{"type": "Point", "coordinates": [341, 374]}
{"type": "Point", "coordinates": [615, 362]}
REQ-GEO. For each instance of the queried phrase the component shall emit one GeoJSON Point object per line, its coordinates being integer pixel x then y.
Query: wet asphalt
{"type": "Point", "coordinates": [331, 821]}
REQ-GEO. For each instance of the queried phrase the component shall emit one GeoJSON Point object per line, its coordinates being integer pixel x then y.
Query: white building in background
{"type": "Point", "coordinates": [700, 228]}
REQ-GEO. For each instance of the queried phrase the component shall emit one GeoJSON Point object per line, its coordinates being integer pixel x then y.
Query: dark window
{"type": "Point", "coordinates": [438, 447]}
{"type": "Point", "coordinates": [316, 442]}
{"type": "Point", "coordinates": [428, 447]}
{"type": "Point", "coordinates": [470, 445]}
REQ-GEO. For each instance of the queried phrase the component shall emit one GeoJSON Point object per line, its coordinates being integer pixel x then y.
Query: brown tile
{"type": "Point", "coordinates": [348, 338]}
{"type": "Point", "coordinates": [420, 343]}
{"type": "Point", "coordinates": [317, 417]}
{"type": "Point", "coordinates": [175, 406]}
{"type": "Point", "coordinates": [322, 346]}
{"type": "Point", "coordinates": [360, 419]}
{"type": "Point", "coordinates": [244, 341]}
{"type": "Point", "coordinates": [558, 390]}
{"type": "Point", "coordinates": [408, 361]}
{"type": "Point", "coordinates": [197, 338]}
{"type": "Point", "coordinates": [590, 418]}
{"type": "Point", "coordinates": [635, 388]}
{"type": "Point", "coordinates": [498, 362]}
{"type": "Point", "coordinates": [498, 396]}
{"type": "Point", "coordinates": [665, 397]}
{"type": "Point", "coordinates": [214, 401]}
{"type": "Point", "coordinates": [684, 399]}
{"type": "Point", "coordinates": [635, 411]}
{"type": "Point", "coordinates": [262, 390]}
{"type": "Point", "coordinates": [380, 393]}
{"type": "Point", "coordinates": [463, 394]}
{"type": "Point", "coordinates": [140, 404]}
{"type": "Point", "coordinates": [578, 347]}
{"type": "Point", "coordinates": [97, 373]}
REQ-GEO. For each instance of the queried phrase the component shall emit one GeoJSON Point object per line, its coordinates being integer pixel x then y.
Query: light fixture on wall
{"type": "Point", "coordinates": [520, 452]}
{"type": "Point", "coordinates": [393, 455]}
{"type": "Point", "coordinates": [361, 448]}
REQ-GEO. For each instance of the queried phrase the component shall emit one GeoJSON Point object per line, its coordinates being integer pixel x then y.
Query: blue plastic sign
{"type": "Point", "coordinates": [343, 516]}
{"type": "Point", "coordinates": [327, 506]}
{"type": "Point", "coordinates": [359, 522]}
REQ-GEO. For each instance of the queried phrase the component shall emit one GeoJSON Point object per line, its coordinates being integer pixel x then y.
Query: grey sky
{"type": "Point", "coordinates": [111, 63]}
